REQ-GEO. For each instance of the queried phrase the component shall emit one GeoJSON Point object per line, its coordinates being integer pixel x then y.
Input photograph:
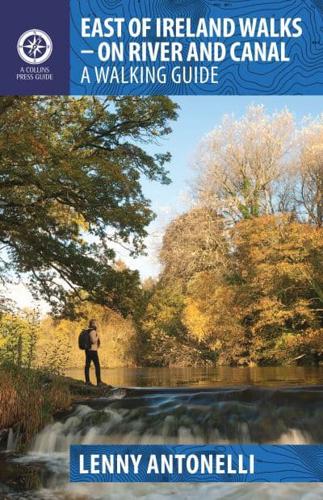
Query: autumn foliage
{"type": "Point", "coordinates": [242, 272]}
{"type": "Point", "coordinates": [242, 269]}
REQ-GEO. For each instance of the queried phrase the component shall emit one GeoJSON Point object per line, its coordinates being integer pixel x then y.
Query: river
{"type": "Point", "coordinates": [207, 377]}
{"type": "Point", "coordinates": [222, 405]}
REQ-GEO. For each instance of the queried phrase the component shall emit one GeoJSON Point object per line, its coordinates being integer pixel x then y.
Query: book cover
{"type": "Point", "coordinates": [161, 249]}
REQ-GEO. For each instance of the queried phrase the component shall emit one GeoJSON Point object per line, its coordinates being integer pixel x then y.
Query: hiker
{"type": "Point", "coordinates": [91, 344]}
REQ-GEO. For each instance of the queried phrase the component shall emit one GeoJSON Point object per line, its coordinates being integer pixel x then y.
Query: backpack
{"type": "Point", "coordinates": [84, 340]}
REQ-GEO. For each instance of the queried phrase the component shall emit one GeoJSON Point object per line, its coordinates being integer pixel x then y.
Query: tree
{"type": "Point", "coordinates": [70, 191]}
{"type": "Point", "coordinates": [170, 327]}
{"type": "Point", "coordinates": [309, 181]}
{"type": "Point", "coordinates": [18, 337]}
{"type": "Point", "coordinates": [164, 337]}
{"type": "Point", "coordinates": [277, 285]}
{"type": "Point", "coordinates": [193, 242]}
{"type": "Point", "coordinates": [251, 294]}
{"type": "Point", "coordinates": [241, 161]}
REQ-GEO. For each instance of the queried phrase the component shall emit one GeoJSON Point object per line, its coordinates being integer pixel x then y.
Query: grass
{"type": "Point", "coordinates": [29, 399]}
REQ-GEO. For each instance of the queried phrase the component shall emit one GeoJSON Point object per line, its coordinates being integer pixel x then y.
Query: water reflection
{"type": "Point", "coordinates": [207, 377]}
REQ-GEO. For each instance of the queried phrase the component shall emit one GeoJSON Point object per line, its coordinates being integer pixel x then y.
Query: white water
{"type": "Point", "coordinates": [57, 437]}
{"type": "Point", "coordinates": [12, 440]}
{"type": "Point", "coordinates": [176, 418]}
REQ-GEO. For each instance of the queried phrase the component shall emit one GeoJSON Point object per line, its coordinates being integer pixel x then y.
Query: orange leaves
{"type": "Point", "coordinates": [278, 261]}
{"type": "Point", "coordinates": [195, 320]}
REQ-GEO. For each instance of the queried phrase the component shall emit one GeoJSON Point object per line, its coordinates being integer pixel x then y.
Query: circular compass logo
{"type": "Point", "coordinates": [34, 46]}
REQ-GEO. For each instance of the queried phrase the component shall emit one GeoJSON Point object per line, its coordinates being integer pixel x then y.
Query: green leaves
{"type": "Point", "coordinates": [70, 189]}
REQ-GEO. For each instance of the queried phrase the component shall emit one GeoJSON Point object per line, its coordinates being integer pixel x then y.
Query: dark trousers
{"type": "Point", "coordinates": [92, 356]}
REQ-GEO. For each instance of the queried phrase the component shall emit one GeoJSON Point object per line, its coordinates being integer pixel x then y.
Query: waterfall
{"type": "Point", "coordinates": [189, 417]}
{"type": "Point", "coordinates": [12, 440]}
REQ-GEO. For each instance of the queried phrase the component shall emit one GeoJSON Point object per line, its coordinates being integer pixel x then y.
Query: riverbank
{"type": "Point", "coordinates": [30, 399]}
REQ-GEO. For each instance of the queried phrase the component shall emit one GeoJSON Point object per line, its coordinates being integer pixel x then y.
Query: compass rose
{"type": "Point", "coordinates": [34, 46]}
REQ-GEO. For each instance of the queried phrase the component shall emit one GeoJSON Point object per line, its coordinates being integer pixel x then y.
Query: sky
{"type": "Point", "coordinates": [198, 115]}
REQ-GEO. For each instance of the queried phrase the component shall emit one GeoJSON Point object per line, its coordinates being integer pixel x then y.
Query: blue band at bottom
{"type": "Point", "coordinates": [192, 463]}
